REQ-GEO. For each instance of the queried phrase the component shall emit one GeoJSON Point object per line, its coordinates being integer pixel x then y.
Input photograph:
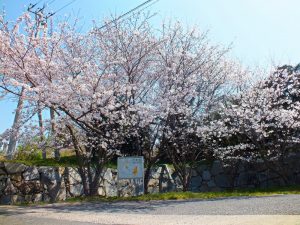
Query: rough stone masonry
{"type": "Point", "coordinates": [20, 183]}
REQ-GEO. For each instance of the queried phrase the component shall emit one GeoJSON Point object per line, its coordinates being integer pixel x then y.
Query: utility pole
{"type": "Point", "coordinates": [40, 21]}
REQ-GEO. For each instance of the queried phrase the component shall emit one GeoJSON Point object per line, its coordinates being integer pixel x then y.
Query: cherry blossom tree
{"type": "Point", "coordinates": [262, 123]}
{"type": "Point", "coordinates": [196, 77]}
{"type": "Point", "coordinates": [25, 52]}
{"type": "Point", "coordinates": [98, 83]}
{"type": "Point", "coordinates": [124, 88]}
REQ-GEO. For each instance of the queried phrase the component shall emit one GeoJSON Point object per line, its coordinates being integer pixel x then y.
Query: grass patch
{"type": "Point", "coordinates": [194, 195]}
{"type": "Point", "coordinates": [63, 161]}
{"type": "Point", "coordinates": [2, 158]}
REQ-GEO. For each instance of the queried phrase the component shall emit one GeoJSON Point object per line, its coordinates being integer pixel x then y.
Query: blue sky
{"type": "Point", "coordinates": [262, 31]}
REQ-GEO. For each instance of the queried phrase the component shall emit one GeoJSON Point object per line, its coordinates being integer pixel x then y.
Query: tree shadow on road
{"type": "Point", "coordinates": [222, 206]}
{"type": "Point", "coordinates": [126, 206]}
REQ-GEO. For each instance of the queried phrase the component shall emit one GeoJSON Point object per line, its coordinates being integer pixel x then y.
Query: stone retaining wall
{"type": "Point", "coordinates": [217, 177]}
{"type": "Point", "coordinates": [21, 183]}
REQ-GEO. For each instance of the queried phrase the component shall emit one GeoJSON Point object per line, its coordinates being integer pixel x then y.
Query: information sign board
{"type": "Point", "coordinates": [131, 167]}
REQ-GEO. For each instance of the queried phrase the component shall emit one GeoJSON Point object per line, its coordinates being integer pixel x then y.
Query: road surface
{"type": "Point", "coordinates": [278, 210]}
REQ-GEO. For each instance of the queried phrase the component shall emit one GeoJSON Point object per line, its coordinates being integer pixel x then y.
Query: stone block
{"type": "Point", "coordinates": [3, 177]}
{"type": "Point", "coordinates": [30, 187]}
{"type": "Point", "coordinates": [262, 177]}
{"type": "Point", "coordinates": [50, 172]}
{"type": "Point", "coordinates": [31, 174]}
{"type": "Point", "coordinates": [16, 177]}
{"type": "Point", "coordinates": [153, 182]}
{"type": "Point", "coordinates": [50, 176]}
{"type": "Point", "coordinates": [13, 168]}
{"type": "Point", "coordinates": [154, 174]}
{"type": "Point", "coordinates": [222, 181]}
{"type": "Point", "coordinates": [264, 184]}
{"type": "Point", "coordinates": [206, 175]}
{"type": "Point", "coordinates": [216, 189]}
{"type": "Point", "coordinates": [297, 179]}
{"type": "Point", "coordinates": [57, 193]}
{"type": "Point", "coordinates": [195, 183]}
{"type": "Point", "coordinates": [2, 185]}
{"type": "Point", "coordinates": [28, 198]}
{"type": "Point", "coordinates": [17, 199]}
{"type": "Point", "coordinates": [2, 172]}
{"type": "Point", "coordinates": [10, 189]}
{"type": "Point", "coordinates": [34, 198]}
{"type": "Point", "coordinates": [211, 184]}
{"type": "Point", "coordinates": [201, 168]}
{"type": "Point", "coordinates": [61, 195]}
{"type": "Point", "coordinates": [272, 175]}
{"type": "Point", "coordinates": [176, 179]}
{"type": "Point", "coordinates": [216, 168]}
{"type": "Point", "coordinates": [76, 189]}
{"type": "Point", "coordinates": [11, 199]}
{"type": "Point", "coordinates": [204, 188]}
{"type": "Point", "coordinates": [107, 175]}
{"type": "Point", "coordinates": [194, 173]}
{"type": "Point", "coordinates": [153, 190]}
{"type": "Point", "coordinates": [276, 182]}
{"type": "Point", "coordinates": [164, 186]}
{"type": "Point", "coordinates": [159, 170]}
{"type": "Point", "coordinates": [111, 191]}
{"type": "Point", "coordinates": [74, 176]}
{"type": "Point", "coordinates": [241, 168]}
{"type": "Point", "coordinates": [46, 197]}
{"type": "Point", "coordinates": [5, 200]}
{"type": "Point", "coordinates": [126, 191]}
{"type": "Point", "coordinates": [101, 191]}
{"type": "Point", "coordinates": [242, 180]}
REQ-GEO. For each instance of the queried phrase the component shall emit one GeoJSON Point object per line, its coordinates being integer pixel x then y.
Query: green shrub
{"type": "Point", "coordinates": [28, 152]}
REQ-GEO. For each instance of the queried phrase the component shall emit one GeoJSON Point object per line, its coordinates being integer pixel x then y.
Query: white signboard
{"type": "Point", "coordinates": [131, 167]}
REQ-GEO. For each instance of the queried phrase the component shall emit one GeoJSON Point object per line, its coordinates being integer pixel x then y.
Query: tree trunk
{"type": "Point", "coordinates": [13, 136]}
{"type": "Point", "coordinates": [41, 127]}
{"type": "Point", "coordinates": [81, 163]}
{"type": "Point", "coordinates": [44, 153]}
{"type": "Point", "coordinates": [186, 177]}
{"type": "Point", "coordinates": [185, 185]}
{"type": "Point", "coordinates": [147, 178]}
{"type": "Point", "coordinates": [94, 184]}
{"type": "Point", "coordinates": [53, 130]}
{"type": "Point", "coordinates": [57, 153]}
{"type": "Point", "coordinates": [52, 117]}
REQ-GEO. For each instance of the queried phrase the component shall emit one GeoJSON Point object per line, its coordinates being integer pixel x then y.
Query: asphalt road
{"type": "Point", "coordinates": [280, 209]}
